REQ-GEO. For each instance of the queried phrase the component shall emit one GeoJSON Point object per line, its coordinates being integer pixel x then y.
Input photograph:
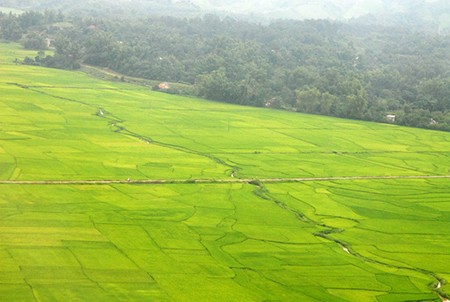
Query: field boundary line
{"type": "Point", "coordinates": [213, 180]}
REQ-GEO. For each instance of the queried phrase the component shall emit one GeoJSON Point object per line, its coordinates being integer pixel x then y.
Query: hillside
{"type": "Point", "coordinates": [233, 225]}
{"type": "Point", "coordinates": [431, 14]}
{"type": "Point", "coordinates": [321, 67]}
{"type": "Point", "coordinates": [334, 9]}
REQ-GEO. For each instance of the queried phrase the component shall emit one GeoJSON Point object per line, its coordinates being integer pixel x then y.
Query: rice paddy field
{"type": "Point", "coordinates": [367, 217]}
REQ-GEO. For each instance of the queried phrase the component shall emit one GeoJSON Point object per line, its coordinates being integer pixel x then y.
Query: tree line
{"type": "Point", "coordinates": [322, 67]}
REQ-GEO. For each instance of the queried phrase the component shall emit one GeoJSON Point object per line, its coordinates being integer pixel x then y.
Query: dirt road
{"type": "Point", "coordinates": [212, 180]}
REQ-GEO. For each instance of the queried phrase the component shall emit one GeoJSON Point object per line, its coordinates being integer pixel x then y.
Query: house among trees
{"type": "Point", "coordinates": [48, 42]}
{"type": "Point", "coordinates": [390, 118]}
{"type": "Point", "coordinates": [163, 86]}
{"type": "Point", "coordinates": [272, 103]}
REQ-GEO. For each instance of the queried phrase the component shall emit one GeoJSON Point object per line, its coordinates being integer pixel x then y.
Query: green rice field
{"type": "Point", "coordinates": [355, 225]}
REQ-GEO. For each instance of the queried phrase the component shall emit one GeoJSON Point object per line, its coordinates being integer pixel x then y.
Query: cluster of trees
{"type": "Point", "coordinates": [21, 27]}
{"type": "Point", "coordinates": [321, 67]}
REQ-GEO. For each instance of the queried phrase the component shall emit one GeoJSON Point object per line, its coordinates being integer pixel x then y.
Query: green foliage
{"type": "Point", "coordinates": [349, 70]}
{"type": "Point", "coordinates": [10, 28]}
{"type": "Point", "coordinates": [34, 41]}
{"type": "Point", "coordinates": [314, 101]}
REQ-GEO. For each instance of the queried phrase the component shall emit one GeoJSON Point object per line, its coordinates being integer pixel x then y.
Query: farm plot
{"type": "Point", "coordinates": [80, 127]}
{"type": "Point", "coordinates": [179, 242]}
{"type": "Point", "coordinates": [42, 137]}
{"type": "Point", "coordinates": [364, 240]}
{"type": "Point", "coordinates": [266, 143]}
{"type": "Point", "coordinates": [402, 224]}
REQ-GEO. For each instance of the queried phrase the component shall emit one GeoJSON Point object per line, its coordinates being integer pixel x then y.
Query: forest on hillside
{"type": "Point", "coordinates": [323, 67]}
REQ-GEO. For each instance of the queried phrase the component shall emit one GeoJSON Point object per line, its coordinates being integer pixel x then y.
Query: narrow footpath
{"type": "Point", "coordinates": [213, 180]}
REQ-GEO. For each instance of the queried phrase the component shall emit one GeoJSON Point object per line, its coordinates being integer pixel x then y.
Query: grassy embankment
{"type": "Point", "coordinates": [364, 240]}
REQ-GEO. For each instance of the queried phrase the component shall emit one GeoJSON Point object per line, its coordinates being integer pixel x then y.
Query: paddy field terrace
{"type": "Point", "coordinates": [112, 192]}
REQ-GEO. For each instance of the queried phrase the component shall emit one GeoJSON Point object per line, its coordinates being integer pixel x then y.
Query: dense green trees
{"type": "Point", "coordinates": [10, 27]}
{"type": "Point", "coordinates": [346, 70]}
{"type": "Point", "coordinates": [34, 40]}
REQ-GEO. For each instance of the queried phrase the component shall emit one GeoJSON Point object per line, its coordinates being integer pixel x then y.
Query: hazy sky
{"type": "Point", "coordinates": [300, 9]}
{"type": "Point", "coordinates": [305, 8]}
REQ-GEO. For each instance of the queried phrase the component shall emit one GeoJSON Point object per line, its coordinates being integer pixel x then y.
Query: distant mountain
{"type": "Point", "coordinates": [106, 7]}
{"type": "Point", "coordinates": [431, 14]}
{"type": "Point", "coordinates": [313, 9]}
{"type": "Point", "coordinates": [434, 13]}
